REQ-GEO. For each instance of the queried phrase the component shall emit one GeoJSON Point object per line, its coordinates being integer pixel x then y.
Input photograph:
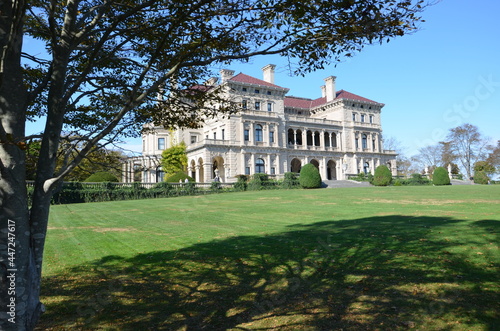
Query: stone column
{"type": "Point", "coordinates": [207, 172]}
{"type": "Point", "coordinates": [252, 163]}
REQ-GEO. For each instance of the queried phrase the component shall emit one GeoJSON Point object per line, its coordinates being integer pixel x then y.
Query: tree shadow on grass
{"type": "Point", "coordinates": [393, 272]}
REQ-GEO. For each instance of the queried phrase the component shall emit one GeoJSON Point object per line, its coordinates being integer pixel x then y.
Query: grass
{"type": "Point", "coordinates": [375, 258]}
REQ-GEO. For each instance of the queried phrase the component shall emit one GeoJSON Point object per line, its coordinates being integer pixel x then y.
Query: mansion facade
{"type": "Point", "coordinates": [340, 133]}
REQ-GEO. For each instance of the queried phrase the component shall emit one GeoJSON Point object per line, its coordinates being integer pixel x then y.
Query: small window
{"type": "Point", "coordinates": [356, 143]}
{"type": "Point", "coordinates": [373, 144]}
{"type": "Point", "coordinates": [271, 136]}
{"type": "Point", "coordinates": [215, 135]}
{"type": "Point", "coordinates": [247, 170]}
{"type": "Point", "coordinates": [273, 171]}
{"type": "Point", "coordinates": [244, 89]}
{"type": "Point", "coordinates": [222, 134]}
{"type": "Point", "coordinates": [268, 92]}
{"type": "Point", "coordinates": [371, 119]}
{"type": "Point", "coordinates": [257, 105]}
{"type": "Point", "coordinates": [257, 91]}
{"type": "Point", "coordinates": [362, 118]}
{"type": "Point", "coordinates": [361, 106]}
{"type": "Point", "coordinates": [161, 143]}
{"type": "Point", "coordinates": [194, 139]}
{"type": "Point", "coordinates": [244, 104]}
{"type": "Point", "coordinates": [354, 117]}
{"type": "Point", "coordinates": [259, 166]}
{"type": "Point", "coordinates": [247, 135]}
{"type": "Point", "coordinates": [269, 106]}
{"type": "Point", "coordinates": [364, 141]}
{"type": "Point", "coordinates": [258, 132]}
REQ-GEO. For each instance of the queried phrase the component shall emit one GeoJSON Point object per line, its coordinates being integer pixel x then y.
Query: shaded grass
{"type": "Point", "coordinates": [356, 259]}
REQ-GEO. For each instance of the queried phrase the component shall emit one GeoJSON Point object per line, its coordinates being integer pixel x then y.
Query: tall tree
{"type": "Point", "coordinates": [494, 157]}
{"type": "Point", "coordinates": [468, 145]}
{"type": "Point", "coordinates": [106, 63]}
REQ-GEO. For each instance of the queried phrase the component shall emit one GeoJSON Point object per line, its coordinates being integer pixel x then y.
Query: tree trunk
{"type": "Point", "coordinates": [20, 272]}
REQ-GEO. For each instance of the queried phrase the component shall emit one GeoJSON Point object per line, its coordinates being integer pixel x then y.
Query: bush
{"type": "Point", "coordinates": [290, 181]}
{"type": "Point", "coordinates": [382, 177]}
{"type": "Point", "coordinates": [440, 176]}
{"type": "Point", "coordinates": [241, 184]}
{"type": "Point", "coordinates": [480, 177]}
{"type": "Point", "coordinates": [257, 182]}
{"type": "Point", "coordinates": [101, 176]}
{"type": "Point", "coordinates": [178, 176]}
{"type": "Point", "coordinates": [309, 176]}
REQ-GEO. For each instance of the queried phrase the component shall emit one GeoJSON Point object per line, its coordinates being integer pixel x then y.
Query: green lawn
{"type": "Point", "coordinates": [370, 258]}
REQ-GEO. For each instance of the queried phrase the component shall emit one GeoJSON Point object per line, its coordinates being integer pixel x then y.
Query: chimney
{"type": "Point", "coordinates": [268, 72]}
{"type": "Point", "coordinates": [323, 91]}
{"type": "Point", "coordinates": [226, 74]}
{"type": "Point", "coordinates": [330, 88]}
{"type": "Point", "coordinates": [212, 81]}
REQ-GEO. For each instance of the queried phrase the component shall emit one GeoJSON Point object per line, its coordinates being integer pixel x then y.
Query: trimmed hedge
{"type": "Point", "coordinates": [480, 177]}
{"type": "Point", "coordinates": [291, 181]}
{"type": "Point", "coordinates": [101, 176]}
{"type": "Point", "coordinates": [440, 176]}
{"type": "Point", "coordinates": [382, 177]}
{"type": "Point", "coordinates": [309, 176]}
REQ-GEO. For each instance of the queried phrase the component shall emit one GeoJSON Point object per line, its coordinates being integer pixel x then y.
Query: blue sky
{"type": "Point", "coordinates": [442, 76]}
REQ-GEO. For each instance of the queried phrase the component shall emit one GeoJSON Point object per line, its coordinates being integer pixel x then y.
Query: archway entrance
{"type": "Point", "coordinates": [331, 170]}
{"type": "Point", "coordinates": [218, 168]}
{"type": "Point", "coordinates": [295, 165]}
{"type": "Point", "coordinates": [315, 163]}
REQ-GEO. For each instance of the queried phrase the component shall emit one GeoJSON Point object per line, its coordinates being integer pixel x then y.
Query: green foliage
{"type": "Point", "coordinates": [174, 159]}
{"type": "Point", "coordinates": [382, 177]}
{"type": "Point", "coordinates": [178, 176]}
{"type": "Point", "coordinates": [440, 176]}
{"type": "Point", "coordinates": [261, 182]}
{"type": "Point", "coordinates": [241, 184]}
{"type": "Point", "coordinates": [481, 177]}
{"type": "Point", "coordinates": [215, 186]}
{"type": "Point", "coordinates": [101, 176]}
{"type": "Point", "coordinates": [485, 167]}
{"type": "Point", "coordinates": [309, 177]}
{"type": "Point", "coordinates": [291, 181]}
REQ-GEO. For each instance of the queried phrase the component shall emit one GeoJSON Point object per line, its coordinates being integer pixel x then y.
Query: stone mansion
{"type": "Point", "coordinates": [340, 133]}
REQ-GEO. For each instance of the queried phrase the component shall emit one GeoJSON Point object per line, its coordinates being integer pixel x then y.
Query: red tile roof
{"type": "Point", "coordinates": [242, 78]}
{"type": "Point", "coordinates": [304, 103]}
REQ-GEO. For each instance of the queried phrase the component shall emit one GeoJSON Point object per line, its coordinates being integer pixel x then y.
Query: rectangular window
{"type": "Point", "coordinates": [373, 144]}
{"type": "Point", "coordinates": [257, 105]}
{"type": "Point", "coordinates": [356, 143]}
{"type": "Point", "coordinates": [271, 136]}
{"type": "Point", "coordinates": [273, 171]}
{"type": "Point", "coordinates": [362, 118]}
{"type": "Point", "coordinates": [161, 143]}
{"type": "Point", "coordinates": [244, 104]}
{"type": "Point", "coordinates": [353, 117]}
{"type": "Point", "coordinates": [371, 119]}
{"type": "Point", "coordinates": [257, 91]}
{"type": "Point", "coordinates": [269, 106]}
{"type": "Point", "coordinates": [247, 135]}
{"type": "Point", "coordinates": [194, 139]}
{"type": "Point", "coordinates": [268, 92]}
{"type": "Point", "coordinates": [215, 135]}
{"type": "Point", "coordinates": [222, 134]}
{"type": "Point", "coordinates": [247, 170]}
{"type": "Point", "coordinates": [244, 89]}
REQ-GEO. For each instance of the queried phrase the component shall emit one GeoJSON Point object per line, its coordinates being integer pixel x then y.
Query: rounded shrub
{"type": "Point", "coordinates": [101, 176]}
{"type": "Point", "coordinates": [440, 176]}
{"type": "Point", "coordinates": [178, 176]}
{"type": "Point", "coordinates": [382, 177]}
{"type": "Point", "coordinates": [241, 184]}
{"type": "Point", "coordinates": [309, 176]}
{"type": "Point", "coordinates": [480, 177]}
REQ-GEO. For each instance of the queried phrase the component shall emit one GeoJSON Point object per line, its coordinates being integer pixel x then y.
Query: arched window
{"type": "Point", "coordinates": [366, 168]}
{"type": "Point", "coordinates": [299, 137]}
{"type": "Point", "coordinates": [309, 136]}
{"type": "Point", "coordinates": [259, 166]}
{"type": "Point", "coordinates": [364, 141]}
{"type": "Point", "coordinates": [291, 137]}
{"type": "Point", "coordinates": [316, 138]}
{"type": "Point", "coordinates": [258, 133]}
{"type": "Point", "coordinates": [326, 138]}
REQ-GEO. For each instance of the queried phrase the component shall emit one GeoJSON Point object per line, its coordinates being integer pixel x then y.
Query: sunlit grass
{"type": "Point", "coordinates": [362, 258]}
